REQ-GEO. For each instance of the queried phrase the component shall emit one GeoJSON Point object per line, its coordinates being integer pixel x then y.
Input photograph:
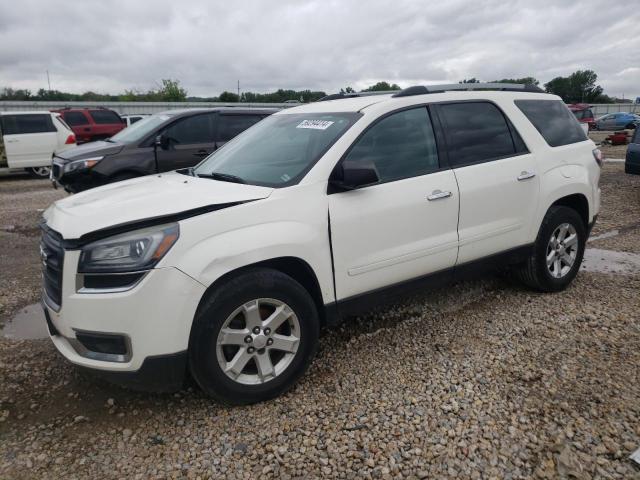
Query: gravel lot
{"type": "Point", "coordinates": [483, 380]}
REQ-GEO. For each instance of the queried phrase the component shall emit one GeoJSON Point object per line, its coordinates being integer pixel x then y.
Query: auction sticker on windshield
{"type": "Point", "coordinates": [315, 124]}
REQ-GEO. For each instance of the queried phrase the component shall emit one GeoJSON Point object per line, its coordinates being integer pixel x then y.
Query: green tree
{"type": "Point", "coordinates": [382, 87]}
{"type": "Point", "coordinates": [469, 80]}
{"type": "Point", "coordinates": [578, 87]}
{"type": "Point", "coordinates": [347, 90]}
{"type": "Point", "coordinates": [171, 91]}
{"type": "Point", "coordinates": [228, 97]}
{"type": "Point", "coordinates": [525, 80]}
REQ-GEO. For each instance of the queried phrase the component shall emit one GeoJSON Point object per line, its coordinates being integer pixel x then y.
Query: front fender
{"type": "Point", "coordinates": [214, 256]}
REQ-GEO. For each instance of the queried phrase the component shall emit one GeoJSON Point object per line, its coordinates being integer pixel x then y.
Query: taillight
{"type": "Point", "coordinates": [597, 154]}
{"type": "Point", "coordinates": [71, 139]}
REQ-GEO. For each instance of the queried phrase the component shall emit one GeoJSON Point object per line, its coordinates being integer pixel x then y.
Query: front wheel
{"type": "Point", "coordinates": [39, 172]}
{"type": "Point", "coordinates": [557, 252]}
{"type": "Point", "coordinates": [253, 337]}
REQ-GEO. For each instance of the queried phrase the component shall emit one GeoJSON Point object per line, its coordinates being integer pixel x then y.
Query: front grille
{"type": "Point", "coordinates": [56, 168]}
{"type": "Point", "coordinates": [52, 257]}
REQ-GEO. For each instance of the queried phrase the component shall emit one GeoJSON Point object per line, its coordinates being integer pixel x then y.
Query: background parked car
{"type": "Point", "coordinates": [617, 121]}
{"type": "Point", "coordinates": [30, 139]}
{"type": "Point", "coordinates": [91, 124]}
{"type": "Point", "coordinates": [159, 143]}
{"type": "Point", "coordinates": [632, 160]}
{"type": "Point", "coordinates": [583, 113]}
{"type": "Point", "coordinates": [131, 119]}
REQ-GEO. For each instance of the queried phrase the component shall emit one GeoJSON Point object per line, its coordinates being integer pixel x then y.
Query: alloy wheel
{"type": "Point", "coordinates": [258, 341]}
{"type": "Point", "coordinates": [562, 250]}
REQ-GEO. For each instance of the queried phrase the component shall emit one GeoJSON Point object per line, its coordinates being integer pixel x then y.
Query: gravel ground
{"type": "Point", "coordinates": [483, 380]}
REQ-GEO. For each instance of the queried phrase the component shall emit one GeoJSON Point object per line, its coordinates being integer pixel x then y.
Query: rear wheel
{"type": "Point", "coordinates": [557, 253]}
{"type": "Point", "coordinates": [253, 337]}
{"type": "Point", "coordinates": [39, 172]}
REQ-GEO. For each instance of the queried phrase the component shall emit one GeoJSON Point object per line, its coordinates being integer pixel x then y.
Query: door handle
{"type": "Point", "coordinates": [438, 194]}
{"type": "Point", "coordinates": [11, 141]}
{"type": "Point", "coordinates": [201, 153]}
{"type": "Point", "coordinates": [87, 129]}
{"type": "Point", "coordinates": [525, 175]}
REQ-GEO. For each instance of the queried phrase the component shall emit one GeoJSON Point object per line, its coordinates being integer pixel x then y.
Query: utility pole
{"type": "Point", "coordinates": [48, 80]}
{"type": "Point", "coordinates": [238, 90]}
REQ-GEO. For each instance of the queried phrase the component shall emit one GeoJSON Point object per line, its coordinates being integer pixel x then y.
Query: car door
{"type": "Point", "coordinates": [496, 175]}
{"type": "Point", "coordinates": [231, 124]}
{"type": "Point", "coordinates": [190, 139]}
{"type": "Point", "coordinates": [404, 226]}
{"type": "Point", "coordinates": [30, 139]}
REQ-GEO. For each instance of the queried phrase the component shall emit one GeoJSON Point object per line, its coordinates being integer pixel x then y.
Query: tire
{"type": "Point", "coordinates": [39, 172]}
{"type": "Point", "coordinates": [229, 307]}
{"type": "Point", "coordinates": [535, 272]}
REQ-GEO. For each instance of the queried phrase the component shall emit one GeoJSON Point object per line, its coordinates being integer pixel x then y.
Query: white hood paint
{"type": "Point", "coordinates": [142, 198]}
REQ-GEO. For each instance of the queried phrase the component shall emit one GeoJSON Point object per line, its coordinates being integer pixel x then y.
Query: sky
{"type": "Point", "coordinates": [108, 46]}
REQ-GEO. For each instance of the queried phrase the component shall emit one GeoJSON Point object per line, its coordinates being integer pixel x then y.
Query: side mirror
{"type": "Point", "coordinates": [163, 141]}
{"type": "Point", "coordinates": [350, 175]}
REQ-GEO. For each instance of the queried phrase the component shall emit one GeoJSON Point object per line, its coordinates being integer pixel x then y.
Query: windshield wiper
{"type": "Point", "coordinates": [223, 177]}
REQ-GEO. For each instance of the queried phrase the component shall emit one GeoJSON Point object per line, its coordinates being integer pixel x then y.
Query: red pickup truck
{"type": "Point", "coordinates": [91, 124]}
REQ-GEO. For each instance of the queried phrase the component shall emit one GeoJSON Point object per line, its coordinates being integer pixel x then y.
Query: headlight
{"type": "Point", "coordinates": [129, 252]}
{"type": "Point", "coordinates": [83, 164]}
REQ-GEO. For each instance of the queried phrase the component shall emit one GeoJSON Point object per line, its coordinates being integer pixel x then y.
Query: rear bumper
{"type": "Point", "coordinates": [632, 168]}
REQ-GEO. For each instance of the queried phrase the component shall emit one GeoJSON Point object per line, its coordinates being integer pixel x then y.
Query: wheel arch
{"type": "Point", "coordinates": [294, 267]}
{"type": "Point", "coordinates": [577, 202]}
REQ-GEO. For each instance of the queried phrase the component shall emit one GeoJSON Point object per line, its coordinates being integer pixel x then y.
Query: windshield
{"type": "Point", "coordinates": [141, 129]}
{"type": "Point", "coordinates": [279, 150]}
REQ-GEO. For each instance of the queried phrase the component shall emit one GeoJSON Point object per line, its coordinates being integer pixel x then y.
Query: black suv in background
{"type": "Point", "coordinates": [159, 143]}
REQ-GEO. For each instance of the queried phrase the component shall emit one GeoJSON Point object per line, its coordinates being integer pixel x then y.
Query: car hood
{"type": "Point", "coordinates": [142, 199]}
{"type": "Point", "coordinates": [91, 149]}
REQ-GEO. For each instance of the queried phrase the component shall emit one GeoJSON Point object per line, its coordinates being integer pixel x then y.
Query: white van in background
{"type": "Point", "coordinates": [30, 138]}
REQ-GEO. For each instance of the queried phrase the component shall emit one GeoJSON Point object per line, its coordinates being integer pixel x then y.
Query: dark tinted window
{"type": "Point", "coordinates": [75, 118]}
{"type": "Point", "coordinates": [133, 120]}
{"type": "Point", "coordinates": [30, 123]}
{"type": "Point", "coordinates": [105, 117]}
{"type": "Point", "coordinates": [478, 132]}
{"type": "Point", "coordinates": [401, 145]}
{"type": "Point", "coordinates": [190, 130]}
{"type": "Point", "coordinates": [232, 125]}
{"type": "Point", "coordinates": [553, 120]}
{"type": "Point", "coordinates": [588, 114]}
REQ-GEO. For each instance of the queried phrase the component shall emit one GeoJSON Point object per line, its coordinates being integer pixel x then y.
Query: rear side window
{"type": "Point", "coordinates": [105, 117]}
{"type": "Point", "coordinates": [192, 130]}
{"type": "Point", "coordinates": [75, 118]}
{"type": "Point", "coordinates": [133, 120]}
{"type": "Point", "coordinates": [232, 125]}
{"type": "Point", "coordinates": [30, 123]}
{"type": "Point", "coordinates": [401, 145]}
{"type": "Point", "coordinates": [553, 120]}
{"type": "Point", "coordinates": [478, 132]}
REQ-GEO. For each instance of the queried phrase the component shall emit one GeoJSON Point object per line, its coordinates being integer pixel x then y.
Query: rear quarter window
{"type": "Point", "coordinates": [104, 117]}
{"type": "Point", "coordinates": [555, 122]}
{"type": "Point", "coordinates": [29, 123]}
{"type": "Point", "coordinates": [75, 118]}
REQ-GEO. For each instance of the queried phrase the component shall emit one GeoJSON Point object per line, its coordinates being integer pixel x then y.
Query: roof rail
{"type": "Point", "coordinates": [505, 87]}
{"type": "Point", "coordinates": [341, 95]}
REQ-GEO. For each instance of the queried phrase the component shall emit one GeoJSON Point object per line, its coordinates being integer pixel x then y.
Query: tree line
{"type": "Point", "coordinates": [579, 87]}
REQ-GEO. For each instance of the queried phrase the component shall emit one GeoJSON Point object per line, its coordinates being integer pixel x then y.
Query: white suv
{"type": "Point", "coordinates": [31, 138]}
{"type": "Point", "coordinates": [229, 270]}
